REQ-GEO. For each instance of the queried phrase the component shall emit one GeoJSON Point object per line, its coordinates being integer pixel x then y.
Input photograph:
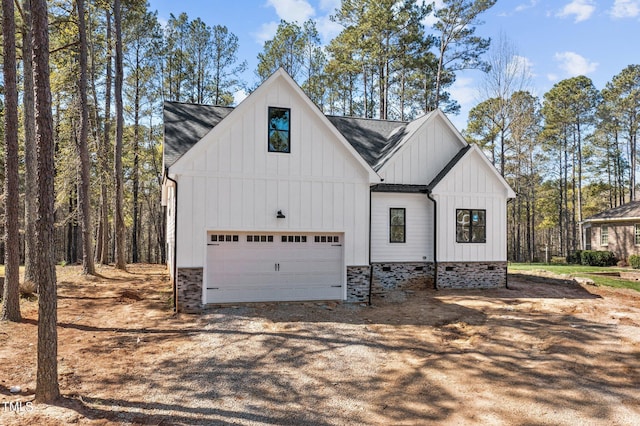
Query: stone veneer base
{"type": "Point", "coordinates": [392, 276]}
{"type": "Point", "coordinates": [358, 278]}
{"type": "Point", "coordinates": [189, 290]}
{"type": "Point", "coordinates": [468, 275]}
{"type": "Point", "coordinates": [387, 277]}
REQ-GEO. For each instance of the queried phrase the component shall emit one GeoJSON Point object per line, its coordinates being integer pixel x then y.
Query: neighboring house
{"type": "Point", "coordinates": [274, 201]}
{"type": "Point", "coordinates": [616, 230]}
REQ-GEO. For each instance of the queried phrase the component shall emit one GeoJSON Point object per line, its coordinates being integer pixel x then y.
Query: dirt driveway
{"type": "Point", "coordinates": [542, 352]}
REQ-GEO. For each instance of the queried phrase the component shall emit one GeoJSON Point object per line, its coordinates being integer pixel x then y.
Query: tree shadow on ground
{"type": "Point", "coordinates": [253, 366]}
{"type": "Point", "coordinates": [446, 357]}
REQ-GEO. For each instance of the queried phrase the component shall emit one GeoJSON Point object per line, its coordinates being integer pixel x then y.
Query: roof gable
{"type": "Point", "coordinates": [263, 90]}
{"type": "Point", "coordinates": [423, 149]}
{"type": "Point", "coordinates": [460, 162]}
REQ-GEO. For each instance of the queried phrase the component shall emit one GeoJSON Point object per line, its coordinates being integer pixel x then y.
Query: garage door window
{"type": "Point", "coordinates": [294, 239]}
{"type": "Point", "coordinates": [259, 238]}
{"type": "Point", "coordinates": [221, 238]}
{"type": "Point", "coordinates": [327, 239]}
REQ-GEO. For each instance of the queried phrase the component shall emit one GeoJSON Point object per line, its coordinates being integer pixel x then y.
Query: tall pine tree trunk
{"type": "Point", "coordinates": [136, 175]}
{"type": "Point", "coordinates": [11, 292]}
{"type": "Point", "coordinates": [103, 232]}
{"type": "Point", "coordinates": [84, 195]}
{"type": "Point", "coordinates": [47, 389]}
{"type": "Point", "coordinates": [29, 146]}
{"type": "Point", "coordinates": [120, 262]}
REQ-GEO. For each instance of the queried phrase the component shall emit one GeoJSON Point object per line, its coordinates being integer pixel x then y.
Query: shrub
{"type": "Point", "coordinates": [634, 261]}
{"type": "Point", "coordinates": [597, 258]}
{"type": "Point", "coordinates": [575, 258]}
{"type": "Point", "coordinates": [558, 260]}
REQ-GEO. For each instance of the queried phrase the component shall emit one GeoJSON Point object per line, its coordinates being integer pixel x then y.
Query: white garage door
{"type": "Point", "coordinates": [258, 267]}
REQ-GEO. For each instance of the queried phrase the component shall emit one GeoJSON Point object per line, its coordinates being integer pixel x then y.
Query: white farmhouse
{"type": "Point", "coordinates": [274, 201]}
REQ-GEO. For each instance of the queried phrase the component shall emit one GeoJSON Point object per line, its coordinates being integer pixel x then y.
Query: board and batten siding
{"type": "Point", "coordinates": [472, 185]}
{"type": "Point", "coordinates": [230, 182]}
{"type": "Point", "coordinates": [169, 194]}
{"type": "Point", "coordinates": [418, 246]}
{"type": "Point", "coordinates": [425, 153]}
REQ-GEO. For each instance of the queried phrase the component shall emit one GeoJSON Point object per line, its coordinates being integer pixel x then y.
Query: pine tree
{"type": "Point", "coordinates": [84, 196]}
{"type": "Point", "coordinates": [47, 389]}
{"type": "Point", "coordinates": [11, 295]}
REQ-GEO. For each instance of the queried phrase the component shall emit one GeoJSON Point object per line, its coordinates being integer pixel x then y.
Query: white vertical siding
{"type": "Point", "coordinates": [233, 183]}
{"type": "Point", "coordinates": [419, 228]}
{"type": "Point", "coordinates": [422, 157]}
{"type": "Point", "coordinates": [471, 185]}
{"type": "Point", "coordinates": [170, 225]}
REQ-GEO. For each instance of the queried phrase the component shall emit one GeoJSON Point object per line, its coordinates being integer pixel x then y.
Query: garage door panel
{"type": "Point", "coordinates": [247, 267]}
{"type": "Point", "coordinates": [273, 295]}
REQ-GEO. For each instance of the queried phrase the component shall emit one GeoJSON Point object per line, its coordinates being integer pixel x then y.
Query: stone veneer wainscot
{"type": "Point", "coordinates": [189, 290]}
{"type": "Point", "coordinates": [468, 275]}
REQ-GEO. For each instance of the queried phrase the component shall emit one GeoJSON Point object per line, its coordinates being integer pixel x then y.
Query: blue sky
{"type": "Point", "coordinates": [556, 39]}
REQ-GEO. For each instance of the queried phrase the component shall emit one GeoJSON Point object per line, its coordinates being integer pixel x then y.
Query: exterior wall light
{"type": "Point", "coordinates": [280, 215]}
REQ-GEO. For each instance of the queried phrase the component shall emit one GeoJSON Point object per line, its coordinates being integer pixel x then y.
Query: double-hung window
{"type": "Point", "coordinates": [471, 226]}
{"type": "Point", "coordinates": [604, 235]}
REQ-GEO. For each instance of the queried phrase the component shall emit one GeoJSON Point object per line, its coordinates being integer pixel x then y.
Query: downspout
{"type": "Point", "coordinates": [370, 265]}
{"type": "Point", "coordinates": [175, 245]}
{"type": "Point", "coordinates": [435, 240]}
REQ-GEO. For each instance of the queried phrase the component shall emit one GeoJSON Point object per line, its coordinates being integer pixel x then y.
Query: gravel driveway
{"type": "Point", "coordinates": [542, 352]}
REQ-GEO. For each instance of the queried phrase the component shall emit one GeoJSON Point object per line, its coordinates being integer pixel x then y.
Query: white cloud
{"type": "Point", "coordinates": [582, 9]}
{"type": "Point", "coordinates": [329, 5]}
{"type": "Point", "coordinates": [553, 77]}
{"type": "Point", "coordinates": [464, 91]}
{"type": "Point", "coordinates": [327, 28]}
{"type": "Point", "coordinates": [574, 65]}
{"type": "Point", "coordinates": [625, 9]}
{"type": "Point", "coordinates": [430, 19]}
{"type": "Point", "coordinates": [292, 10]}
{"type": "Point", "coordinates": [163, 22]}
{"type": "Point", "coordinates": [266, 32]}
{"type": "Point", "coordinates": [524, 6]}
{"type": "Point", "coordinates": [239, 96]}
{"type": "Point", "coordinates": [522, 64]}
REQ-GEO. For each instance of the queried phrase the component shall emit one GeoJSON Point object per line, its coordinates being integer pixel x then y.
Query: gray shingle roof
{"type": "Point", "coordinates": [400, 188]}
{"type": "Point", "coordinates": [629, 210]}
{"type": "Point", "coordinates": [185, 124]}
{"type": "Point", "coordinates": [372, 139]}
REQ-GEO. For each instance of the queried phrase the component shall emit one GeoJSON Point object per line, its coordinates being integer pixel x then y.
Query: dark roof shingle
{"type": "Point", "coordinates": [629, 210]}
{"type": "Point", "coordinates": [371, 138]}
{"type": "Point", "coordinates": [185, 124]}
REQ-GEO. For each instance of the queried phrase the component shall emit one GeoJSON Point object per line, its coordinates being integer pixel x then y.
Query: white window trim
{"type": "Point", "coordinates": [602, 235]}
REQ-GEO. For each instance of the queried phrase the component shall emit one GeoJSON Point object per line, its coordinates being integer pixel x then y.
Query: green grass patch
{"type": "Point", "coordinates": [592, 272]}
